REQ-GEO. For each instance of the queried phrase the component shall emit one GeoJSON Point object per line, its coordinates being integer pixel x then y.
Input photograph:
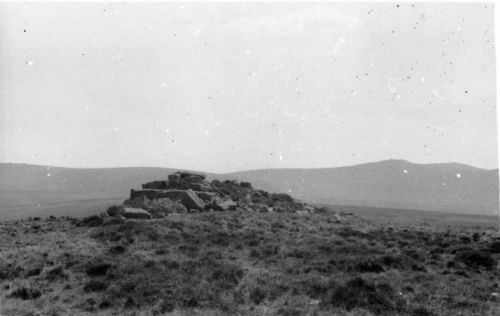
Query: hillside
{"type": "Point", "coordinates": [392, 183]}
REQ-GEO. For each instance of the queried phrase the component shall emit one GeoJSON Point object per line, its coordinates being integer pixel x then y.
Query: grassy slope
{"type": "Point", "coordinates": [229, 263]}
{"type": "Point", "coordinates": [77, 208]}
{"type": "Point", "coordinates": [419, 217]}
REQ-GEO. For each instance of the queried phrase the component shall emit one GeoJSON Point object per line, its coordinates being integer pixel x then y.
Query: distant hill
{"type": "Point", "coordinates": [23, 184]}
{"type": "Point", "coordinates": [446, 187]}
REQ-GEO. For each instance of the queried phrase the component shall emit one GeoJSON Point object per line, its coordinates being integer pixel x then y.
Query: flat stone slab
{"type": "Point", "coordinates": [134, 212]}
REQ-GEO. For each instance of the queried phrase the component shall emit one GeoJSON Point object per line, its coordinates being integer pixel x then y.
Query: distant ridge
{"type": "Point", "coordinates": [450, 187]}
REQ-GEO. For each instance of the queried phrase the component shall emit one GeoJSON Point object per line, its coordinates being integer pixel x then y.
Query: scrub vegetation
{"type": "Point", "coordinates": [246, 263]}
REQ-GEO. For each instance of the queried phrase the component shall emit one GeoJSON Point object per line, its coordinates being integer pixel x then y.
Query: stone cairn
{"type": "Point", "coordinates": [189, 192]}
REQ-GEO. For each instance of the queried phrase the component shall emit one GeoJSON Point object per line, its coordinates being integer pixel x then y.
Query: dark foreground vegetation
{"type": "Point", "coordinates": [246, 263]}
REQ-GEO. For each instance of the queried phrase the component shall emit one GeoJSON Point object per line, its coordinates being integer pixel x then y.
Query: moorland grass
{"type": "Point", "coordinates": [245, 263]}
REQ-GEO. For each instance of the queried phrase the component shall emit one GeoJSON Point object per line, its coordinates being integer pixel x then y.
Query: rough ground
{"type": "Point", "coordinates": [245, 263]}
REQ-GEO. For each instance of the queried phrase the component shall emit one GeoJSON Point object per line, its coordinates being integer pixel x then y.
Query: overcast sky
{"type": "Point", "coordinates": [231, 86]}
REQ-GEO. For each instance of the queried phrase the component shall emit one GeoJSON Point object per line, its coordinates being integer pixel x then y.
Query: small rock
{"type": "Point", "coordinates": [114, 210]}
{"type": "Point", "coordinates": [136, 213]}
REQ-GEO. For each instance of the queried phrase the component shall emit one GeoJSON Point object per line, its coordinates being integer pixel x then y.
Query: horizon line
{"type": "Point", "coordinates": [257, 169]}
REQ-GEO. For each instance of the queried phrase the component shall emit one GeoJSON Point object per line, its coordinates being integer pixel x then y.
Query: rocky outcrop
{"type": "Point", "coordinates": [206, 196]}
{"type": "Point", "coordinates": [190, 192]}
{"type": "Point", "coordinates": [187, 197]}
{"type": "Point", "coordinates": [218, 204]}
{"type": "Point", "coordinates": [159, 207]}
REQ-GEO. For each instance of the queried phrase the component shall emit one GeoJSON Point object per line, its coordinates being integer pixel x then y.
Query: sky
{"type": "Point", "coordinates": [222, 87]}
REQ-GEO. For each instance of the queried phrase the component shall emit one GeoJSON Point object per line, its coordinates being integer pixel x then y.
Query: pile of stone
{"type": "Point", "coordinates": [190, 192]}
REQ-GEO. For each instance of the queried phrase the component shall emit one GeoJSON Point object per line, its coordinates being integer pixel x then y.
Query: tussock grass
{"type": "Point", "coordinates": [245, 263]}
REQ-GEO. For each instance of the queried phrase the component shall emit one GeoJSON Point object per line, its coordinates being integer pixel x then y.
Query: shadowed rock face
{"type": "Point", "coordinates": [156, 185]}
{"type": "Point", "coordinates": [187, 197]}
{"type": "Point", "coordinates": [185, 191]}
